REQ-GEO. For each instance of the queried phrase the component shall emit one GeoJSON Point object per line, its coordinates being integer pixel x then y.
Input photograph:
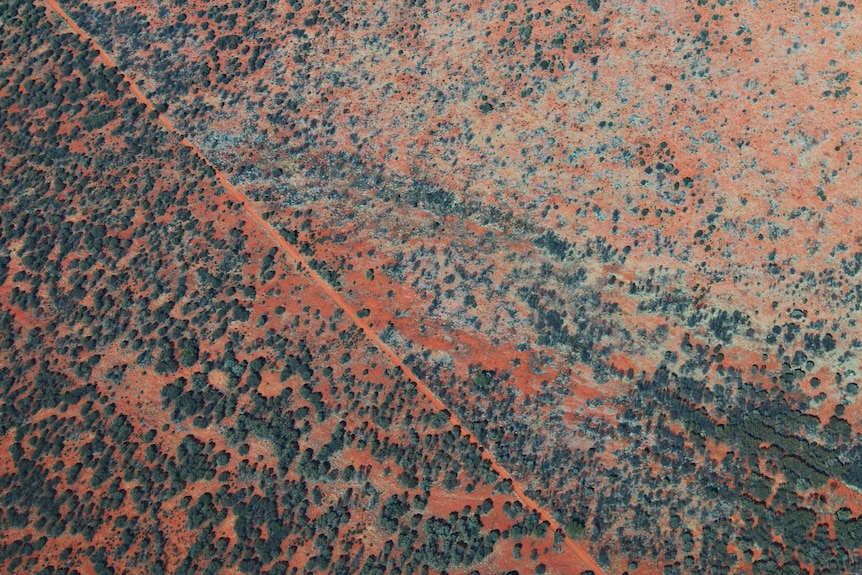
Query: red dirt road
{"type": "Point", "coordinates": [366, 328]}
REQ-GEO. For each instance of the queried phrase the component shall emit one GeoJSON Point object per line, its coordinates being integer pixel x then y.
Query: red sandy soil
{"type": "Point", "coordinates": [276, 238]}
{"type": "Point", "coordinates": [758, 149]}
{"type": "Point", "coordinates": [139, 397]}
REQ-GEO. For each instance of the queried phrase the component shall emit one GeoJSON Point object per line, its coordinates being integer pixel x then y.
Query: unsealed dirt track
{"type": "Point", "coordinates": [366, 328]}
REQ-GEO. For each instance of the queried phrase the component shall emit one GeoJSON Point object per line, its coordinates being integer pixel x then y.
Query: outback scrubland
{"type": "Point", "coordinates": [430, 287]}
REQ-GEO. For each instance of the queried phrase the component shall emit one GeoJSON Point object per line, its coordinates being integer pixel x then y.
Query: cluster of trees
{"type": "Point", "coordinates": [94, 290]}
{"type": "Point", "coordinates": [125, 278]}
{"type": "Point", "coordinates": [800, 451]}
{"type": "Point", "coordinates": [711, 402]}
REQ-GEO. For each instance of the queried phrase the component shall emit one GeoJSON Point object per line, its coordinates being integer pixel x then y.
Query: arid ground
{"type": "Point", "coordinates": [430, 287]}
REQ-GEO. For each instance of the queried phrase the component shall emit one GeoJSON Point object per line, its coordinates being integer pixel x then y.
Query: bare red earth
{"type": "Point", "coordinates": [276, 238]}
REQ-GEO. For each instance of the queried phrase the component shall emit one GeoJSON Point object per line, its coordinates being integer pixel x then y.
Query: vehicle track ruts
{"type": "Point", "coordinates": [339, 300]}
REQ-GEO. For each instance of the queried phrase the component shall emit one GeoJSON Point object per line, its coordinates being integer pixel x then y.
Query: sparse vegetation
{"type": "Point", "coordinates": [617, 245]}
